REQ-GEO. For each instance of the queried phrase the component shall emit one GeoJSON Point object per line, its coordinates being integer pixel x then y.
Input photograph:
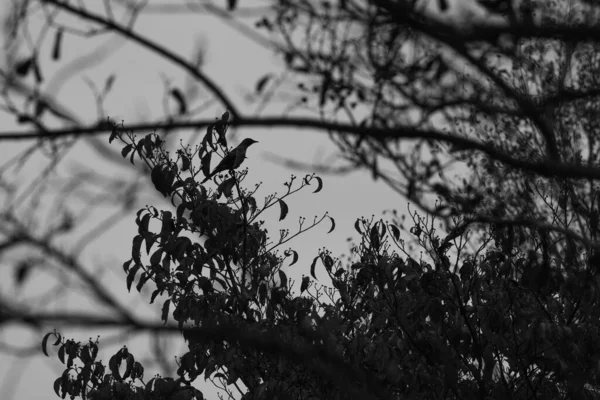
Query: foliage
{"type": "Point", "coordinates": [483, 325]}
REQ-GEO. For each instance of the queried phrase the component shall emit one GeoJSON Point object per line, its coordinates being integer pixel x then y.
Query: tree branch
{"type": "Point", "coordinates": [168, 55]}
{"type": "Point", "coordinates": [547, 168]}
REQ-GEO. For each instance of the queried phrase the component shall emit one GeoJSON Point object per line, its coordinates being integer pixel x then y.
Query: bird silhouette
{"type": "Point", "coordinates": [233, 159]}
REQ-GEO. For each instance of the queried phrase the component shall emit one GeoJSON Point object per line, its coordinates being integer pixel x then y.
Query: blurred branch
{"type": "Point", "coordinates": [168, 55]}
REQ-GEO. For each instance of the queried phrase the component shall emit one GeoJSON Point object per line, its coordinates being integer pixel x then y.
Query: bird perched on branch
{"type": "Point", "coordinates": [233, 159]}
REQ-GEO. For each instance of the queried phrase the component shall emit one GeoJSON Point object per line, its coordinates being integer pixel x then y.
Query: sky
{"type": "Point", "coordinates": [236, 63]}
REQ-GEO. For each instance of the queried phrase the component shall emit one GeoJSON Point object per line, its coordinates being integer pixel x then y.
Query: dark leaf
{"type": "Point", "coordinates": [22, 272]}
{"type": "Point", "coordinates": [395, 231]}
{"type": "Point", "coordinates": [45, 343]}
{"type": "Point", "coordinates": [443, 4]}
{"type": "Point", "coordinates": [126, 150]}
{"type": "Point", "coordinates": [37, 72]}
{"type": "Point", "coordinates": [374, 236]}
{"type": "Point", "coordinates": [185, 162]}
{"type": "Point", "coordinates": [57, 44]}
{"type": "Point", "coordinates": [295, 256]}
{"type": "Point", "coordinates": [154, 294]}
{"type": "Point", "coordinates": [165, 311]}
{"type": "Point", "coordinates": [226, 187]}
{"type": "Point", "coordinates": [357, 226]}
{"type": "Point", "coordinates": [205, 165]}
{"type": "Point", "coordinates": [40, 107]}
{"type": "Point", "coordinates": [181, 103]}
{"type": "Point", "coordinates": [332, 224]}
{"type": "Point", "coordinates": [283, 278]}
{"type": "Point", "coordinates": [22, 67]}
{"type": "Point", "coordinates": [135, 249]}
{"type": "Point", "coordinates": [225, 117]}
{"type": "Point", "coordinates": [260, 85]}
{"type": "Point", "coordinates": [231, 4]}
{"type": "Point", "coordinates": [129, 366]}
{"type": "Point", "coordinates": [324, 88]}
{"type": "Point", "coordinates": [126, 266]}
{"type": "Point", "coordinates": [284, 209]}
{"type": "Point", "coordinates": [61, 354]}
{"type": "Point", "coordinates": [319, 184]}
{"type": "Point", "coordinates": [143, 279]}
{"type": "Point", "coordinates": [57, 386]}
{"type": "Point", "coordinates": [113, 134]}
{"type": "Point", "coordinates": [304, 284]}
{"type": "Point", "coordinates": [328, 262]}
{"type": "Point", "coordinates": [312, 267]}
{"type": "Point", "coordinates": [110, 80]}
{"type": "Point", "coordinates": [167, 226]}
{"type": "Point", "coordinates": [131, 275]}
{"type": "Point", "coordinates": [144, 223]}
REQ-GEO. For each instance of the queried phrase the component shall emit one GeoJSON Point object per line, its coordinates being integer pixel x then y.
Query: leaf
{"type": "Point", "coordinates": [108, 84]}
{"type": "Point", "coordinates": [22, 67]}
{"type": "Point", "coordinates": [304, 284]}
{"type": "Point", "coordinates": [160, 178]}
{"type": "Point", "coordinates": [22, 272]}
{"type": "Point", "coordinates": [283, 278]}
{"type": "Point", "coordinates": [126, 150]}
{"type": "Point", "coordinates": [131, 275]}
{"type": "Point", "coordinates": [226, 187]}
{"type": "Point", "coordinates": [143, 279]}
{"type": "Point", "coordinates": [205, 164]}
{"type": "Point", "coordinates": [113, 134]}
{"type": "Point", "coordinates": [57, 44]}
{"type": "Point", "coordinates": [231, 4]}
{"type": "Point", "coordinates": [319, 184]}
{"type": "Point", "coordinates": [332, 224]}
{"type": "Point", "coordinates": [113, 365]}
{"type": "Point", "coordinates": [57, 386]}
{"type": "Point", "coordinates": [61, 354]}
{"type": "Point", "coordinates": [295, 256]}
{"type": "Point", "coordinates": [40, 107]}
{"type": "Point", "coordinates": [328, 262]}
{"type": "Point", "coordinates": [45, 343]}
{"type": "Point", "coordinates": [167, 226]}
{"type": "Point", "coordinates": [443, 4]}
{"type": "Point", "coordinates": [357, 226]}
{"type": "Point", "coordinates": [395, 231]}
{"type": "Point", "coordinates": [260, 85]}
{"type": "Point", "coordinates": [135, 248]}
{"type": "Point", "coordinates": [129, 366]}
{"type": "Point", "coordinates": [182, 104]}
{"type": "Point", "coordinates": [165, 311]}
{"type": "Point", "coordinates": [284, 209]}
{"type": "Point", "coordinates": [185, 162]}
{"type": "Point", "coordinates": [143, 224]}
{"type": "Point", "coordinates": [312, 266]}
{"type": "Point", "coordinates": [154, 294]}
{"type": "Point", "coordinates": [374, 236]}
{"type": "Point", "coordinates": [36, 70]}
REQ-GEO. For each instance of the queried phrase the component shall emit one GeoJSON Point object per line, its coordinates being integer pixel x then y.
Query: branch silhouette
{"type": "Point", "coordinates": [165, 53]}
{"type": "Point", "coordinates": [548, 168]}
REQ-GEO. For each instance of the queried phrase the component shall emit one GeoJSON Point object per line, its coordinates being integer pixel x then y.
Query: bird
{"type": "Point", "coordinates": [233, 159]}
